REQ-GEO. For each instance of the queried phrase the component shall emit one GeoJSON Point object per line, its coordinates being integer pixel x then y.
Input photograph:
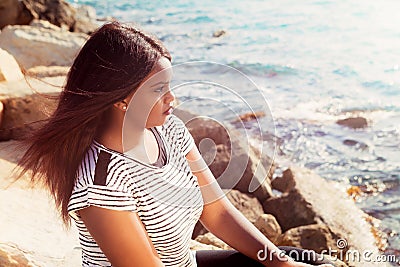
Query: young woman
{"type": "Point", "coordinates": [127, 171]}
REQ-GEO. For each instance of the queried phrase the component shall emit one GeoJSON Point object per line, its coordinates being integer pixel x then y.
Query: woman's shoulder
{"type": "Point", "coordinates": [98, 166]}
{"type": "Point", "coordinates": [87, 166]}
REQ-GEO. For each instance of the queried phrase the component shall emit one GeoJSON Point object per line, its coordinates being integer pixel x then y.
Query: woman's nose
{"type": "Point", "coordinates": [169, 97]}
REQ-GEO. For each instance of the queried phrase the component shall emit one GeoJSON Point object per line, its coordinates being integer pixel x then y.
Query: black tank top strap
{"type": "Point", "coordinates": [162, 159]}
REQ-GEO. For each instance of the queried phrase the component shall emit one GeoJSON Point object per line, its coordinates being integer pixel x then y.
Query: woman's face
{"type": "Point", "coordinates": [152, 102]}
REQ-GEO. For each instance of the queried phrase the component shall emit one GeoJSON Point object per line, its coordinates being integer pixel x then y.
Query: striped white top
{"type": "Point", "coordinates": [167, 199]}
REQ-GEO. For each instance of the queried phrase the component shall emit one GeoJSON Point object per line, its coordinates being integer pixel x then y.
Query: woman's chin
{"type": "Point", "coordinates": [160, 121]}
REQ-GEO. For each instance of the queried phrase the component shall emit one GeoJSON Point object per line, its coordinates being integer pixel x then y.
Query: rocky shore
{"type": "Point", "coordinates": [298, 209]}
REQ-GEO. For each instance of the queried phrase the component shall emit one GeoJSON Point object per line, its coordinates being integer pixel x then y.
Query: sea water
{"type": "Point", "coordinates": [314, 62]}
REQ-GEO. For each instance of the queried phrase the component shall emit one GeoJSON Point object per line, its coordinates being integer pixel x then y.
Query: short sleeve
{"type": "Point", "coordinates": [101, 196]}
{"type": "Point", "coordinates": [185, 137]}
{"type": "Point", "coordinates": [107, 190]}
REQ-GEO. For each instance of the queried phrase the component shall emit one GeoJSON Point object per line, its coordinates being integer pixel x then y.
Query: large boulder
{"type": "Point", "coordinates": [48, 71]}
{"type": "Point", "coordinates": [309, 199]}
{"type": "Point", "coordinates": [29, 220]}
{"type": "Point", "coordinates": [269, 226]}
{"type": "Point", "coordinates": [247, 204]}
{"type": "Point", "coordinates": [41, 44]}
{"type": "Point", "coordinates": [62, 14]}
{"type": "Point", "coordinates": [23, 107]}
{"type": "Point", "coordinates": [85, 19]}
{"type": "Point", "coordinates": [9, 69]}
{"type": "Point", "coordinates": [313, 236]}
{"type": "Point", "coordinates": [196, 245]}
{"type": "Point", "coordinates": [57, 12]}
{"type": "Point", "coordinates": [233, 161]}
{"type": "Point", "coordinates": [9, 12]}
{"type": "Point", "coordinates": [354, 122]}
{"type": "Point", "coordinates": [11, 256]}
{"type": "Point", "coordinates": [210, 239]}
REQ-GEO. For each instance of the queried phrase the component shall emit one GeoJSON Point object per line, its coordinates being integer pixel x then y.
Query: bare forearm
{"type": "Point", "coordinates": [232, 227]}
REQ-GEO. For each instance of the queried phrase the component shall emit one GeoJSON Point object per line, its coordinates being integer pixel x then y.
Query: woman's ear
{"type": "Point", "coordinates": [122, 105]}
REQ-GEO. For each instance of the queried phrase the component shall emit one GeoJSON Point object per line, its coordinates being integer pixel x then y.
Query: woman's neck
{"type": "Point", "coordinates": [114, 139]}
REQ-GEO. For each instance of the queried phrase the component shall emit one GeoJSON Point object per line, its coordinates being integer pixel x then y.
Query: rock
{"type": "Point", "coordinates": [203, 128]}
{"type": "Point", "coordinates": [313, 236]}
{"type": "Point", "coordinates": [215, 145]}
{"type": "Point", "coordinates": [44, 24]}
{"type": "Point", "coordinates": [57, 12]}
{"type": "Point", "coordinates": [356, 144]}
{"type": "Point", "coordinates": [106, 18]}
{"type": "Point", "coordinates": [62, 14]}
{"type": "Point", "coordinates": [196, 245]}
{"type": "Point", "coordinates": [219, 33]}
{"type": "Point", "coordinates": [232, 160]}
{"type": "Point", "coordinates": [29, 219]}
{"type": "Point", "coordinates": [314, 200]}
{"type": "Point", "coordinates": [248, 205]}
{"type": "Point", "coordinates": [9, 12]}
{"type": "Point", "coordinates": [283, 184]}
{"type": "Point", "coordinates": [13, 257]}
{"type": "Point", "coordinates": [210, 239]}
{"type": "Point", "coordinates": [20, 115]}
{"type": "Point", "coordinates": [48, 71]}
{"type": "Point", "coordinates": [85, 26]}
{"type": "Point", "coordinates": [250, 116]}
{"type": "Point", "coordinates": [85, 12]}
{"type": "Point", "coordinates": [301, 211]}
{"type": "Point", "coordinates": [268, 225]}
{"type": "Point", "coordinates": [85, 19]}
{"type": "Point", "coordinates": [9, 69]}
{"type": "Point", "coordinates": [13, 12]}
{"type": "Point", "coordinates": [38, 46]}
{"type": "Point", "coordinates": [199, 229]}
{"type": "Point", "coordinates": [22, 106]}
{"type": "Point", "coordinates": [354, 123]}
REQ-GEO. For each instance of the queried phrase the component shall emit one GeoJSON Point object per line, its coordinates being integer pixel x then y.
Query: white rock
{"type": "Point", "coordinates": [27, 102]}
{"type": "Point", "coordinates": [48, 71]}
{"type": "Point", "coordinates": [29, 219]}
{"type": "Point", "coordinates": [41, 46]}
{"type": "Point", "coordinates": [211, 239]}
{"type": "Point", "coordinates": [196, 245]}
{"type": "Point", "coordinates": [9, 69]}
{"type": "Point", "coordinates": [45, 25]}
{"type": "Point", "coordinates": [85, 12]}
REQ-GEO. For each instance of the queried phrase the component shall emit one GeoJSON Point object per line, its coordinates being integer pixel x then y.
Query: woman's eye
{"type": "Point", "coordinates": [159, 90]}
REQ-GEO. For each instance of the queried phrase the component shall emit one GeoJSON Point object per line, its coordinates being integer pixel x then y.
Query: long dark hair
{"type": "Point", "coordinates": [112, 63]}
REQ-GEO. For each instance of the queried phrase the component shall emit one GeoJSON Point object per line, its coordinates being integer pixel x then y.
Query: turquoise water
{"type": "Point", "coordinates": [315, 62]}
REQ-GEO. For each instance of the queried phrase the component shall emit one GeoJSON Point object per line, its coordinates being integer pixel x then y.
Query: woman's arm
{"type": "Point", "coordinates": [227, 223]}
{"type": "Point", "coordinates": [121, 236]}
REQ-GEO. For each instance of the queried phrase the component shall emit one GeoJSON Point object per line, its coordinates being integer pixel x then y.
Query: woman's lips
{"type": "Point", "coordinates": [168, 111]}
